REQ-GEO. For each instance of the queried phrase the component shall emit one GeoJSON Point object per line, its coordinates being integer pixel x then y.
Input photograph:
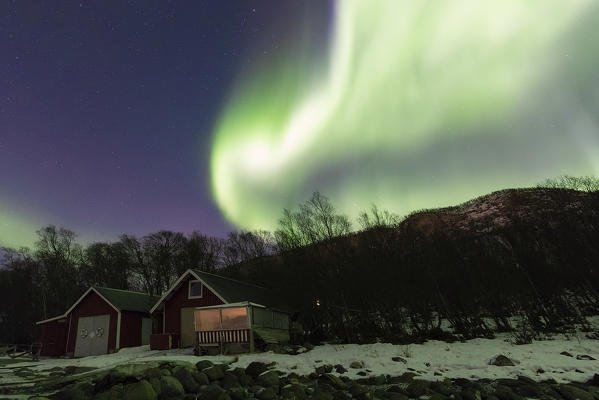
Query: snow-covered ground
{"type": "Point", "coordinates": [433, 360]}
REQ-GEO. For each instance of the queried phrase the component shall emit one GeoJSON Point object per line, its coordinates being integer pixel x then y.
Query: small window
{"type": "Point", "coordinates": [207, 320]}
{"type": "Point", "coordinates": [195, 290]}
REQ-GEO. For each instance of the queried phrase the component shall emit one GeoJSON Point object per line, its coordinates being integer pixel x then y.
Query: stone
{"type": "Point", "coordinates": [165, 372]}
{"type": "Point", "coordinates": [340, 369]}
{"type": "Point", "coordinates": [214, 373]}
{"type": "Point", "coordinates": [501, 361]}
{"type": "Point", "coordinates": [322, 395]}
{"type": "Point", "coordinates": [396, 396]}
{"type": "Point", "coordinates": [200, 377]}
{"type": "Point", "coordinates": [213, 392]}
{"type": "Point", "coordinates": [332, 380]}
{"type": "Point", "coordinates": [266, 394]}
{"type": "Point", "coordinates": [238, 393]}
{"type": "Point", "coordinates": [153, 373]}
{"type": "Point", "coordinates": [594, 380]}
{"type": "Point", "coordinates": [471, 393]}
{"type": "Point", "coordinates": [565, 353]}
{"type": "Point", "coordinates": [584, 357]}
{"type": "Point", "coordinates": [324, 369]}
{"type": "Point", "coordinates": [155, 382]}
{"type": "Point", "coordinates": [114, 393]}
{"type": "Point", "coordinates": [505, 393]}
{"type": "Point", "coordinates": [187, 380]}
{"type": "Point", "coordinates": [442, 388]}
{"type": "Point", "coordinates": [170, 387]}
{"type": "Point", "coordinates": [255, 368]}
{"type": "Point", "coordinates": [397, 389]}
{"type": "Point", "coordinates": [293, 392]}
{"type": "Point", "coordinates": [399, 359]}
{"type": "Point", "coordinates": [229, 380]}
{"type": "Point", "coordinates": [246, 380]}
{"type": "Point", "coordinates": [342, 395]}
{"type": "Point", "coordinates": [141, 390]}
{"type": "Point", "coordinates": [203, 364]}
{"type": "Point", "coordinates": [71, 393]}
{"type": "Point", "coordinates": [356, 364]}
{"type": "Point", "coordinates": [570, 392]}
{"type": "Point", "coordinates": [268, 379]}
{"type": "Point", "coordinates": [362, 373]}
{"type": "Point", "coordinates": [406, 377]}
{"type": "Point", "coordinates": [417, 388]}
{"type": "Point", "coordinates": [361, 392]}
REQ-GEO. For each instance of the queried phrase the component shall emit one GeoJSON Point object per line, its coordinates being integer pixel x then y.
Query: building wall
{"type": "Point", "coordinates": [131, 328]}
{"type": "Point", "coordinates": [179, 298]}
{"type": "Point", "coordinates": [90, 306]}
{"type": "Point", "coordinates": [53, 336]}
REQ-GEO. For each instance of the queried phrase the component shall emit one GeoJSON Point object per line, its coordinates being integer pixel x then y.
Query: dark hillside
{"type": "Point", "coordinates": [527, 252]}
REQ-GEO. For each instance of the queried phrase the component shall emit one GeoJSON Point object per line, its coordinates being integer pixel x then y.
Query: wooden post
{"type": "Point", "coordinates": [249, 311]}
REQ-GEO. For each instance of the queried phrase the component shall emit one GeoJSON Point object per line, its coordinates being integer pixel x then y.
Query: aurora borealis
{"type": "Point", "coordinates": [131, 117]}
{"type": "Point", "coordinates": [418, 105]}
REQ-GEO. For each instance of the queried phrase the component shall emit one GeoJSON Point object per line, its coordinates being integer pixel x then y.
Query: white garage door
{"type": "Point", "coordinates": [92, 335]}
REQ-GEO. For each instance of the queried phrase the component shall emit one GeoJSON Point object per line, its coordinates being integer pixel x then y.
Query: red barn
{"type": "Point", "coordinates": [102, 321]}
{"type": "Point", "coordinates": [198, 289]}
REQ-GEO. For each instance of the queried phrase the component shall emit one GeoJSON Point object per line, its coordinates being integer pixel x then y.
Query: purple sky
{"type": "Point", "coordinates": [106, 108]}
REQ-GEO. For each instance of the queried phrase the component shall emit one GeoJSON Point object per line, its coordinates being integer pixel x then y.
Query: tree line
{"type": "Point", "coordinates": [373, 280]}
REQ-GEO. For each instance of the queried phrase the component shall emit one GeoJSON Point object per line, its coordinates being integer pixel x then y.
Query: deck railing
{"type": "Point", "coordinates": [224, 336]}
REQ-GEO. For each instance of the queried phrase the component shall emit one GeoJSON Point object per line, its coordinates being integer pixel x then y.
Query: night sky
{"type": "Point", "coordinates": [107, 108]}
{"type": "Point", "coordinates": [130, 117]}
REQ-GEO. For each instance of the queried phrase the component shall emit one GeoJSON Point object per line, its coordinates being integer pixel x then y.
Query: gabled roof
{"type": "Point", "coordinates": [235, 291]}
{"type": "Point", "coordinates": [126, 300]}
{"type": "Point", "coordinates": [228, 290]}
{"type": "Point", "coordinates": [120, 300]}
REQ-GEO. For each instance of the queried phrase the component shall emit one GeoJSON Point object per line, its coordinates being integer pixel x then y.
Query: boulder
{"type": "Point", "coordinates": [114, 393]}
{"type": "Point", "coordinates": [406, 377]}
{"type": "Point", "coordinates": [141, 390]}
{"type": "Point", "coordinates": [340, 369]}
{"type": "Point", "coordinates": [156, 385]}
{"type": "Point", "coordinates": [442, 388]}
{"type": "Point", "coordinates": [229, 380]}
{"type": "Point", "coordinates": [153, 373]}
{"type": "Point", "coordinates": [322, 395]}
{"type": "Point", "coordinates": [417, 388]}
{"type": "Point", "coordinates": [293, 392]}
{"type": "Point", "coordinates": [246, 380]}
{"type": "Point", "coordinates": [170, 387]}
{"type": "Point", "coordinates": [505, 393]}
{"type": "Point", "coordinates": [570, 392]}
{"type": "Point", "coordinates": [399, 359]}
{"type": "Point", "coordinates": [396, 396]}
{"type": "Point", "coordinates": [324, 369]}
{"type": "Point", "coordinates": [214, 373]}
{"type": "Point", "coordinates": [584, 357]}
{"type": "Point", "coordinates": [501, 361]}
{"type": "Point", "coordinates": [213, 392]}
{"type": "Point", "coordinates": [255, 368]}
{"type": "Point", "coordinates": [565, 353]}
{"type": "Point", "coordinates": [594, 380]}
{"type": "Point", "coordinates": [266, 394]}
{"type": "Point", "coordinates": [187, 380]}
{"type": "Point", "coordinates": [238, 393]}
{"type": "Point", "coordinates": [200, 377]}
{"type": "Point", "coordinates": [356, 364]}
{"type": "Point", "coordinates": [332, 380]}
{"type": "Point", "coordinates": [360, 392]}
{"type": "Point", "coordinates": [203, 364]}
{"type": "Point", "coordinates": [268, 379]}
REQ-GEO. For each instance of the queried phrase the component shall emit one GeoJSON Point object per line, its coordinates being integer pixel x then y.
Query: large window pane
{"type": "Point", "coordinates": [235, 318]}
{"type": "Point", "coordinates": [207, 320]}
{"type": "Point", "coordinates": [262, 317]}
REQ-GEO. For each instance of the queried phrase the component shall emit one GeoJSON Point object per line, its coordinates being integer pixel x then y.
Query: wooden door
{"type": "Point", "coordinates": [188, 335]}
{"type": "Point", "coordinates": [92, 335]}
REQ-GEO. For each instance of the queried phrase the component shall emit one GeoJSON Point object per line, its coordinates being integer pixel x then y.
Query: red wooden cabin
{"type": "Point", "coordinates": [101, 321]}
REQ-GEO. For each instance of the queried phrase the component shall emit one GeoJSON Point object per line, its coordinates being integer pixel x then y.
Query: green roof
{"type": "Point", "coordinates": [234, 291]}
{"type": "Point", "coordinates": [126, 300]}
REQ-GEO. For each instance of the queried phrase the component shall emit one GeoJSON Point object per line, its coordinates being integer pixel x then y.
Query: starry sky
{"type": "Point", "coordinates": [130, 117]}
{"type": "Point", "coordinates": [107, 108]}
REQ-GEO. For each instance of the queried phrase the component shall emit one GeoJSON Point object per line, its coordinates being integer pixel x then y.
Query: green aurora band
{"type": "Point", "coordinates": [418, 104]}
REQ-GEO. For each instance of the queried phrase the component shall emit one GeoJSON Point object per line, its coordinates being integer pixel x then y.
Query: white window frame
{"type": "Point", "coordinates": [189, 296]}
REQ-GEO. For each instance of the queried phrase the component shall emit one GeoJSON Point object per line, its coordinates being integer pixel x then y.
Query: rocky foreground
{"type": "Point", "coordinates": [207, 381]}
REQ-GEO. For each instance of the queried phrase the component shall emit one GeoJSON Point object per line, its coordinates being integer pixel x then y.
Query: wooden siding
{"type": "Point", "coordinates": [179, 299]}
{"type": "Point", "coordinates": [53, 336]}
{"type": "Point", "coordinates": [131, 328]}
{"type": "Point", "coordinates": [90, 306]}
